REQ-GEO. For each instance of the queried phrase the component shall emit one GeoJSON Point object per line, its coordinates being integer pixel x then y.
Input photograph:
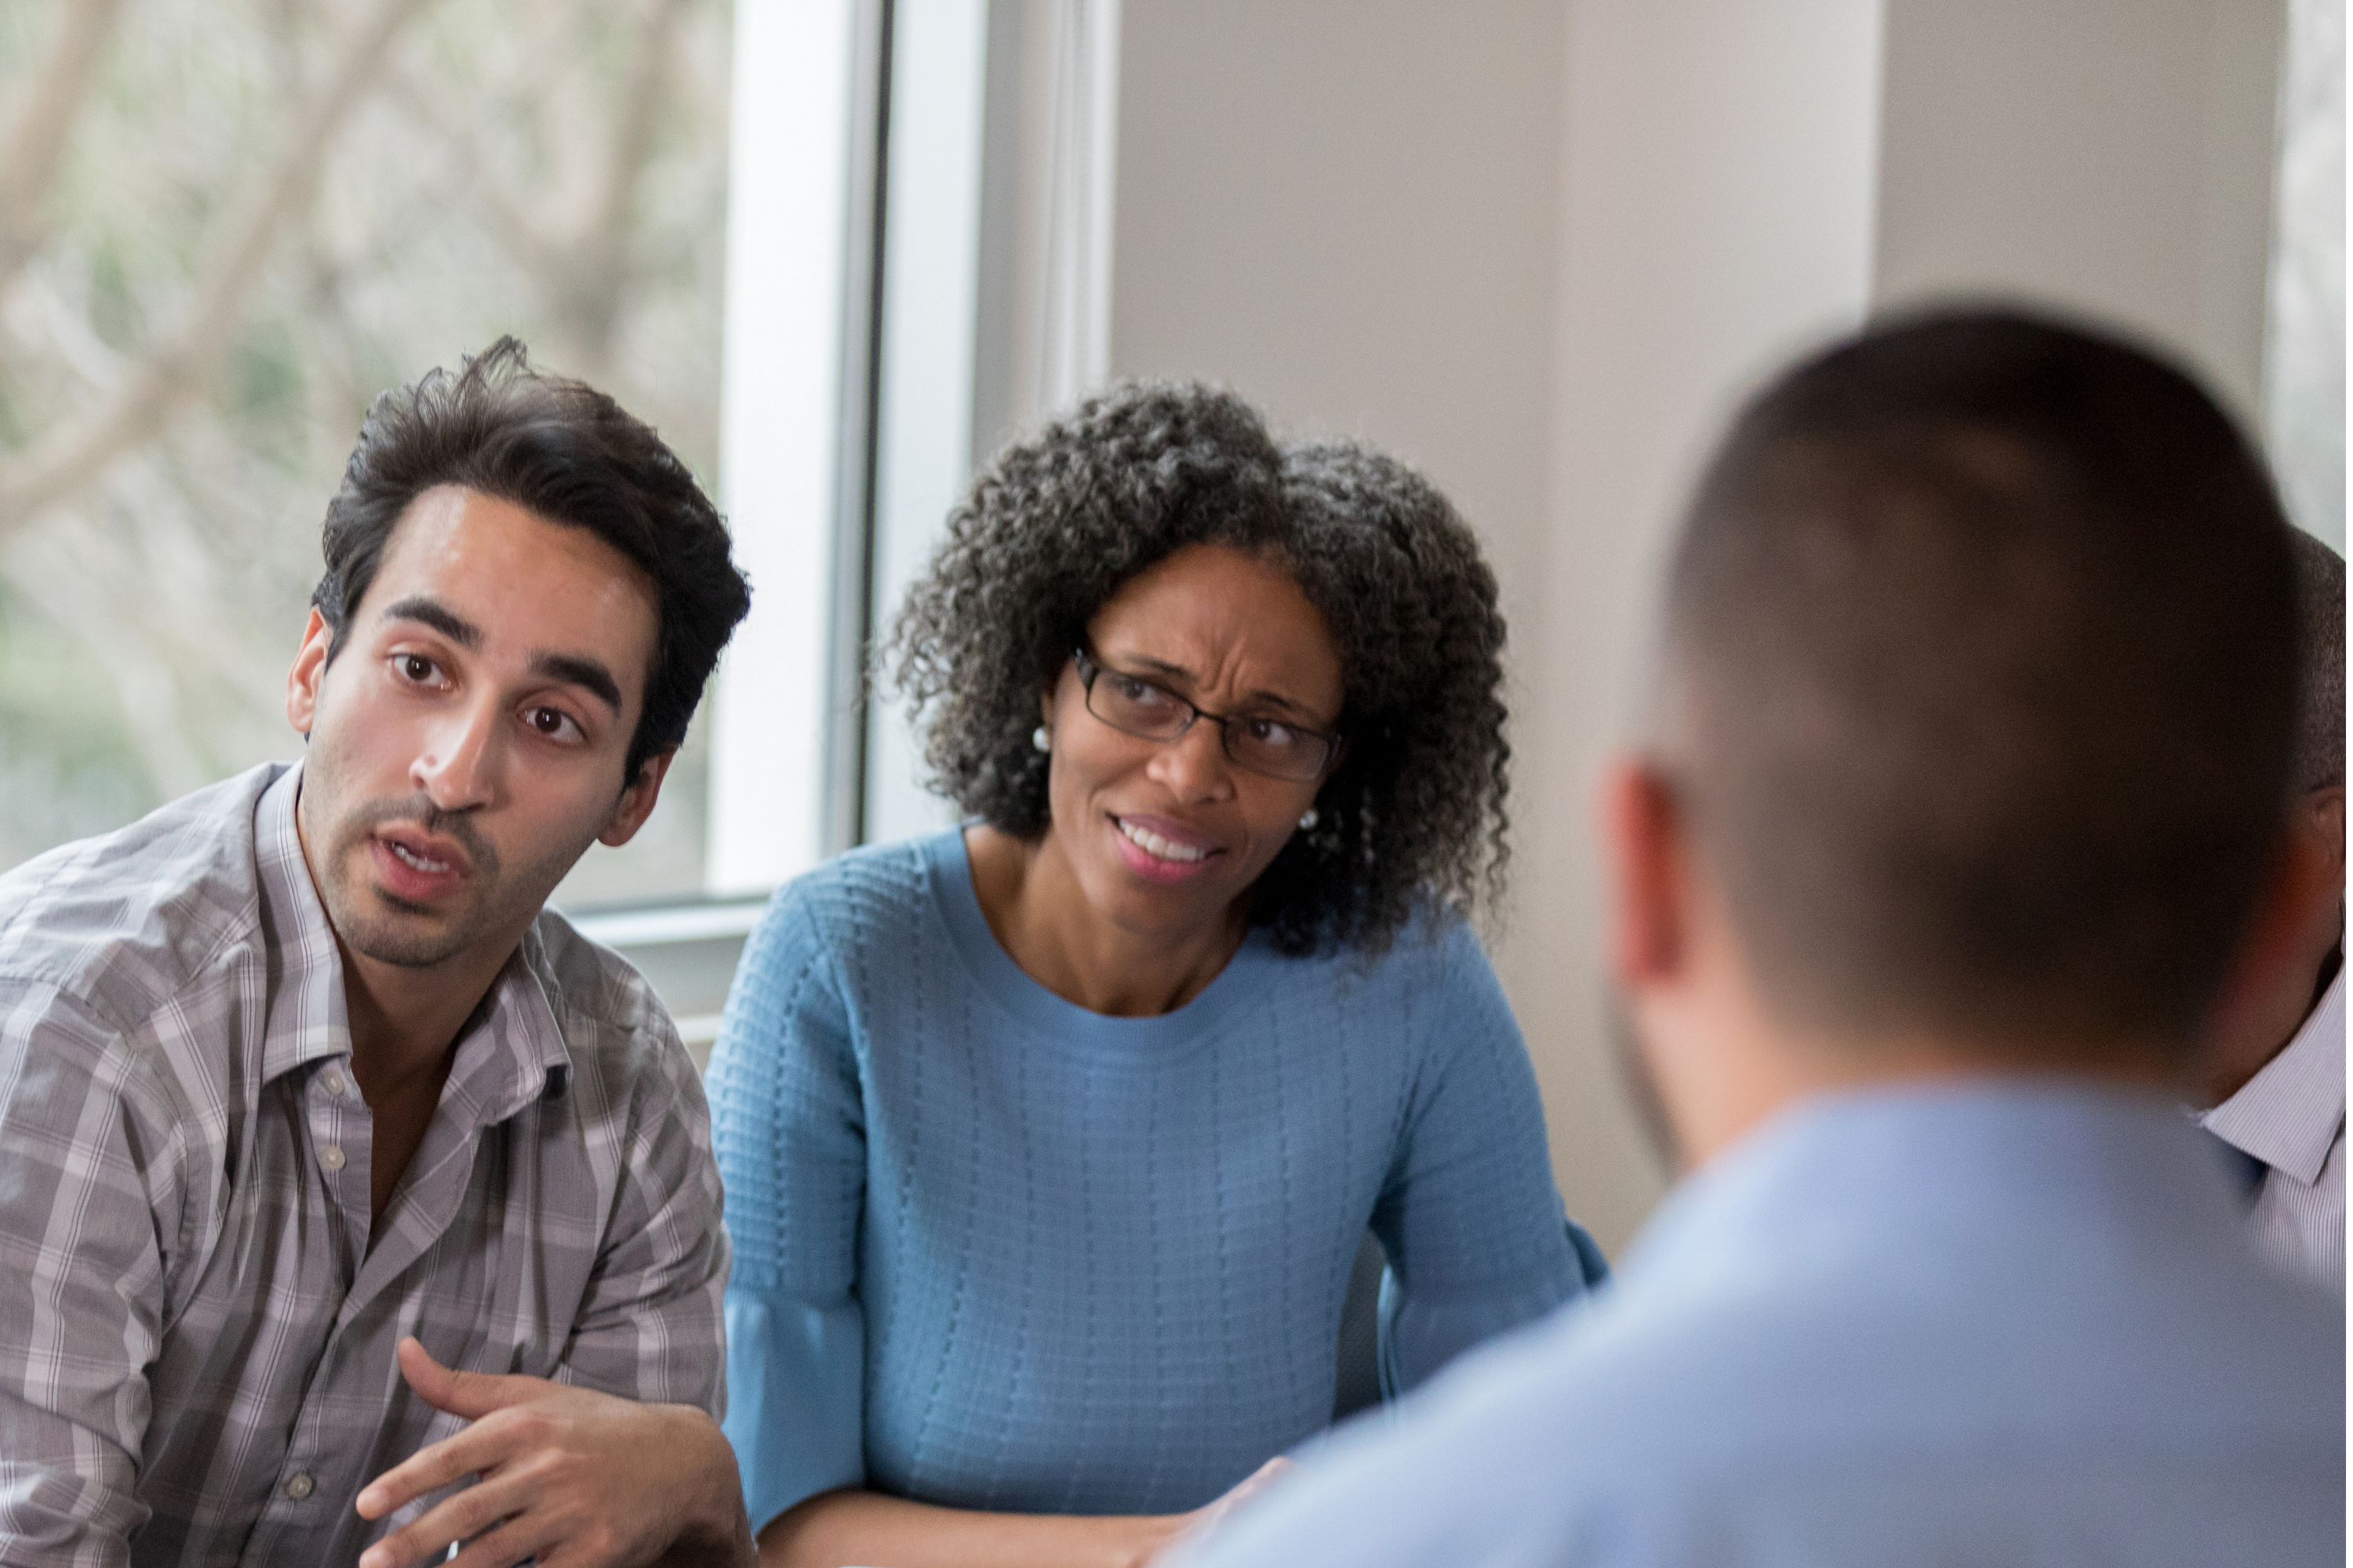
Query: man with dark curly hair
{"type": "Point", "coordinates": [1965, 776]}
{"type": "Point", "coordinates": [1049, 1141]}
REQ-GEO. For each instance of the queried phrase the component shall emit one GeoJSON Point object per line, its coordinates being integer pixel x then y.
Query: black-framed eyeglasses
{"type": "Point", "coordinates": [1259, 742]}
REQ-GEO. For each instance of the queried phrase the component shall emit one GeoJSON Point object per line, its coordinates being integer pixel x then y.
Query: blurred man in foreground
{"type": "Point", "coordinates": [308, 1100]}
{"type": "Point", "coordinates": [1966, 771]}
{"type": "Point", "coordinates": [2274, 1067]}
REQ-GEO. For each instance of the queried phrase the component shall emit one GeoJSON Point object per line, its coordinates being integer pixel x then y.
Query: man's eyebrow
{"type": "Point", "coordinates": [573, 668]}
{"type": "Point", "coordinates": [576, 670]}
{"type": "Point", "coordinates": [427, 610]}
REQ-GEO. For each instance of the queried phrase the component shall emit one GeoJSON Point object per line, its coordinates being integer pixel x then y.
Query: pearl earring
{"type": "Point", "coordinates": [1308, 819]}
{"type": "Point", "coordinates": [1041, 738]}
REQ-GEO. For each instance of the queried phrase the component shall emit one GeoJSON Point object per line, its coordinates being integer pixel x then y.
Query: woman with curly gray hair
{"type": "Point", "coordinates": [1048, 1142]}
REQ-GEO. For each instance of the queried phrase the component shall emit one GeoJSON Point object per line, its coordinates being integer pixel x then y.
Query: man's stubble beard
{"type": "Point", "coordinates": [424, 939]}
{"type": "Point", "coordinates": [406, 941]}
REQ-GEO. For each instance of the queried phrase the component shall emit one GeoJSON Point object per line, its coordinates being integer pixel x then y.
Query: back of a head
{"type": "Point", "coordinates": [1979, 686]}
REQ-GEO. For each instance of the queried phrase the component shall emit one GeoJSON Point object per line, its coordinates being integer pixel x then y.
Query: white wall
{"type": "Point", "coordinates": [1344, 209]}
{"type": "Point", "coordinates": [1716, 202]}
{"type": "Point", "coordinates": [1540, 248]}
{"type": "Point", "coordinates": [2113, 154]}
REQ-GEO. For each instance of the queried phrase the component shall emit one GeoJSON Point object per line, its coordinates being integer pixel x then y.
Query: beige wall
{"type": "Point", "coordinates": [2112, 154]}
{"type": "Point", "coordinates": [1716, 201]}
{"type": "Point", "coordinates": [1344, 209]}
{"type": "Point", "coordinates": [1541, 249]}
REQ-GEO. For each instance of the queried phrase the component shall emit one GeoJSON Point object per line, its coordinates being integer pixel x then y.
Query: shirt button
{"type": "Point", "coordinates": [333, 1081]}
{"type": "Point", "coordinates": [300, 1486]}
{"type": "Point", "coordinates": [331, 1157]}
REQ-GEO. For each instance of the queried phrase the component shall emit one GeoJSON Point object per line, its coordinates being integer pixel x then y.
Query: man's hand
{"type": "Point", "coordinates": [568, 1477]}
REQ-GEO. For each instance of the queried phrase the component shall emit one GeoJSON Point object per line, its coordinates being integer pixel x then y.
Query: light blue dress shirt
{"type": "Point", "coordinates": [1993, 1325]}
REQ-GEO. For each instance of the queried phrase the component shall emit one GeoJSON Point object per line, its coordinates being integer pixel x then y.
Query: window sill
{"type": "Point", "coordinates": [686, 951]}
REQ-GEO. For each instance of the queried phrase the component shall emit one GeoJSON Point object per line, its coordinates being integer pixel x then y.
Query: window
{"type": "Point", "coordinates": [835, 249]}
{"type": "Point", "coordinates": [973, 267]}
{"type": "Point", "coordinates": [2303, 391]}
{"type": "Point", "coordinates": [225, 224]}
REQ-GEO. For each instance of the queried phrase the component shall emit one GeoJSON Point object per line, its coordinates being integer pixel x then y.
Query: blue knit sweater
{"type": "Point", "coordinates": [994, 1251]}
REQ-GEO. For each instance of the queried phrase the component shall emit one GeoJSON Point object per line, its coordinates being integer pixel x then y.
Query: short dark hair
{"type": "Point", "coordinates": [1980, 680]}
{"type": "Point", "coordinates": [1413, 817]}
{"type": "Point", "coordinates": [2320, 663]}
{"type": "Point", "coordinates": [567, 452]}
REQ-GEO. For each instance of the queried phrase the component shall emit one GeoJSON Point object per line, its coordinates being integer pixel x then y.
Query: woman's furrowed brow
{"type": "Point", "coordinates": [1144, 665]}
{"type": "Point", "coordinates": [1277, 699]}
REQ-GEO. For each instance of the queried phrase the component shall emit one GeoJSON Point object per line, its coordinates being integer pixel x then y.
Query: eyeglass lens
{"type": "Point", "coordinates": [1262, 745]}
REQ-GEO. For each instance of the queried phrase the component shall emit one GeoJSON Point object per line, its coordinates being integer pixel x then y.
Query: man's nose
{"type": "Point", "coordinates": [457, 769]}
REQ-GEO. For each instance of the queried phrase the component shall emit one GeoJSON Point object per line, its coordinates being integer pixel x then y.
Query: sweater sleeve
{"type": "Point", "coordinates": [789, 1128]}
{"type": "Point", "coordinates": [1476, 1237]}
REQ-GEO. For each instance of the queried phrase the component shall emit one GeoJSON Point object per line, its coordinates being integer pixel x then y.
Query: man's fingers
{"type": "Point", "coordinates": [478, 1448]}
{"type": "Point", "coordinates": [470, 1513]}
{"type": "Point", "coordinates": [468, 1394]}
{"type": "Point", "coordinates": [518, 1540]}
{"type": "Point", "coordinates": [578, 1554]}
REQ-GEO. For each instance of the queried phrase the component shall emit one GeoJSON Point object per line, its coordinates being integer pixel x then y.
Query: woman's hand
{"type": "Point", "coordinates": [1192, 1527]}
{"type": "Point", "coordinates": [854, 1526]}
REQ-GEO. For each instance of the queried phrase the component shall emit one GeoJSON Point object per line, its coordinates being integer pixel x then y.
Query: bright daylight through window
{"type": "Point", "coordinates": [224, 225]}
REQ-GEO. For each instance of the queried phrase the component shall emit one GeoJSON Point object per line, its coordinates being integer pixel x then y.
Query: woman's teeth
{"type": "Point", "coordinates": [411, 857]}
{"type": "Point", "coordinates": [1152, 844]}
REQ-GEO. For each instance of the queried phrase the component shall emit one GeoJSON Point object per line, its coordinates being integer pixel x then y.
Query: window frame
{"type": "Point", "coordinates": [975, 296]}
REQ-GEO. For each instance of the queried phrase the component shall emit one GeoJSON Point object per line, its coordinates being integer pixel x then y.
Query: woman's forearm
{"type": "Point", "coordinates": [849, 1527]}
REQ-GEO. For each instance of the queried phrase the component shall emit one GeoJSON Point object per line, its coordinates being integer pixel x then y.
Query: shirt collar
{"type": "Point", "coordinates": [306, 1019]}
{"type": "Point", "coordinates": [2290, 1113]}
{"type": "Point", "coordinates": [510, 1052]}
{"type": "Point", "coordinates": [513, 1052]}
{"type": "Point", "coordinates": [1899, 1160]}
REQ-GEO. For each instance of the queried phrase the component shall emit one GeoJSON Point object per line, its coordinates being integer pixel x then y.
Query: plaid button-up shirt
{"type": "Point", "coordinates": [196, 1326]}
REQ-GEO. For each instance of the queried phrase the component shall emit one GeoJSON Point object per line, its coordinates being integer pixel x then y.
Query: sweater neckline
{"type": "Point", "coordinates": [948, 864]}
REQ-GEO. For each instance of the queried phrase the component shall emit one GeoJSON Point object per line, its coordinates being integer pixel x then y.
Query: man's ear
{"type": "Point", "coordinates": [637, 801]}
{"type": "Point", "coordinates": [310, 669]}
{"type": "Point", "coordinates": [2302, 897]}
{"type": "Point", "coordinates": [2324, 815]}
{"type": "Point", "coordinates": [1642, 832]}
{"type": "Point", "coordinates": [2308, 883]}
